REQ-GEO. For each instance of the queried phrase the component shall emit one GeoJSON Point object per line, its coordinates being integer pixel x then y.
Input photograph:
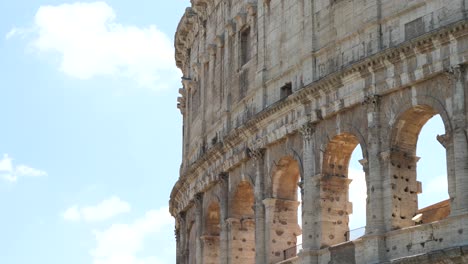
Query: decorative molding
{"type": "Point", "coordinates": [256, 154]}
{"type": "Point", "coordinates": [307, 130]}
{"type": "Point", "coordinates": [372, 101]}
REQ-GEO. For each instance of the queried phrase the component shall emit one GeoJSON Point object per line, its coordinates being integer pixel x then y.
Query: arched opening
{"type": "Point", "coordinates": [433, 202]}
{"type": "Point", "coordinates": [357, 194]}
{"type": "Point", "coordinates": [211, 241]}
{"type": "Point", "coordinates": [405, 182]}
{"type": "Point", "coordinates": [242, 236]}
{"type": "Point", "coordinates": [282, 210]}
{"type": "Point", "coordinates": [337, 178]}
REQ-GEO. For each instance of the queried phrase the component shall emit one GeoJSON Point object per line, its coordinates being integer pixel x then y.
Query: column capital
{"type": "Point", "coordinates": [224, 178]}
{"type": "Point", "coordinates": [307, 130]}
{"type": "Point", "coordinates": [256, 154]}
{"type": "Point", "coordinates": [372, 101]}
{"type": "Point", "coordinates": [198, 200]}
{"type": "Point", "coordinates": [454, 73]}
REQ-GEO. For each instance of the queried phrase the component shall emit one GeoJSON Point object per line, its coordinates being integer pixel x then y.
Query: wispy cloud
{"type": "Point", "coordinates": [91, 43]}
{"type": "Point", "coordinates": [123, 243]}
{"type": "Point", "coordinates": [105, 210]}
{"type": "Point", "coordinates": [11, 173]}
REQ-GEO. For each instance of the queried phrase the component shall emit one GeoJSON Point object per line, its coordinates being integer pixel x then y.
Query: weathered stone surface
{"type": "Point", "coordinates": [278, 93]}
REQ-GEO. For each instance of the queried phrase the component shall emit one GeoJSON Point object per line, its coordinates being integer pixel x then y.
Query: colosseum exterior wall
{"type": "Point", "coordinates": [278, 93]}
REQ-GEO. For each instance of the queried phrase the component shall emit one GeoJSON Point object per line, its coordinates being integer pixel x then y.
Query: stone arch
{"type": "Point", "coordinates": [334, 183]}
{"type": "Point", "coordinates": [402, 105]}
{"type": "Point", "coordinates": [337, 155]}
{"type": "Point", "coordinates": [403, 160]}
{"type": "Point", "coordinates": [282, 208]}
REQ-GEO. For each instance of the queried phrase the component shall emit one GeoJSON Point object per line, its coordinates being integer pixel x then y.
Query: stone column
{"type": "Point", "coordinates": [311, 213]}
{"type": "Point", "coordinates": [460, 138]}
{"type": "Point", "coordinates": [199, 227]}
{"type": "Point", "coordinates": [378, 198]}
{"type": "Point", "coordinates": [178, 245]}
{"type": "Point", "coordinates": [183, 238]}
{"type": "Point", "coordinates": [281, 228]}
{"type": "Point", "coordinates": [224, 235]}
{"type": "Point", "coordinates": [260, 241]}
{"type": "Point", "coordinates": [372, 165]}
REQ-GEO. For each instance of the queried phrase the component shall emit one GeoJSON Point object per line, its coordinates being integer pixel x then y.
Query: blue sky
{"type": "Point", "coordinates": [90, 143]}
{"type": "Point", "coordinates": [90, 138]}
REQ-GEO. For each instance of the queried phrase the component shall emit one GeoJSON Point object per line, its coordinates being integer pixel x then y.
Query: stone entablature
{"type": "Point", "coordinates": [276, 94]}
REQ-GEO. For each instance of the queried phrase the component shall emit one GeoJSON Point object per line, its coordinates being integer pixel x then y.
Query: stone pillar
{"type": "Point", "coordinates": [224, 235]}
{"type": "Point", "coordinates": [260, 241]}
{"type": "Point", "coordinates": [372, 165]}
{"type": "Point", "coordinates": [199, 227]}
{"type": "Point", "coordinates": [281, 228]}
{"type": "Point", "coordinates": [460, 138]}
{"type": "Point", "coordinates": [210, 249]}
{"type": "Point", "coordinates": [178, 245]}
{"type": "Point", "coordinates": [311, 213]}
{"type": "Point", "coordinates": [183, 238]}
{"type": "Point", "coordinates": [241, 240]}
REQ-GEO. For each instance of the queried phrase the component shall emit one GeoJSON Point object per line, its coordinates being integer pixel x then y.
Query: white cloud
{"type": "Point", "coordinates": [103, 211]}
{"type": "Point", "coordinates": [11, 173]}
{"type": "Point", "coordinates": [122, 243]}
{"type": "Point", "coordinates": [72, 214]}
{"type": "Point", "coordinates": [91, 43]}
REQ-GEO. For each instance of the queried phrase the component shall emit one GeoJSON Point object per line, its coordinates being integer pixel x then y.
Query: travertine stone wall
{"type": "Point", "coordinates": [278, 93]}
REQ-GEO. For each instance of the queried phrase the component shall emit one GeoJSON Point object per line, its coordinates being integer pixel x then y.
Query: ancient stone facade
{"type": "Point", "coordinates": [278, 93]}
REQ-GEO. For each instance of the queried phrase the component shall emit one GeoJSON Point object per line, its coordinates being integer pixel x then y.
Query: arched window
{"type": "Point", "coordinates": [405, 180]}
